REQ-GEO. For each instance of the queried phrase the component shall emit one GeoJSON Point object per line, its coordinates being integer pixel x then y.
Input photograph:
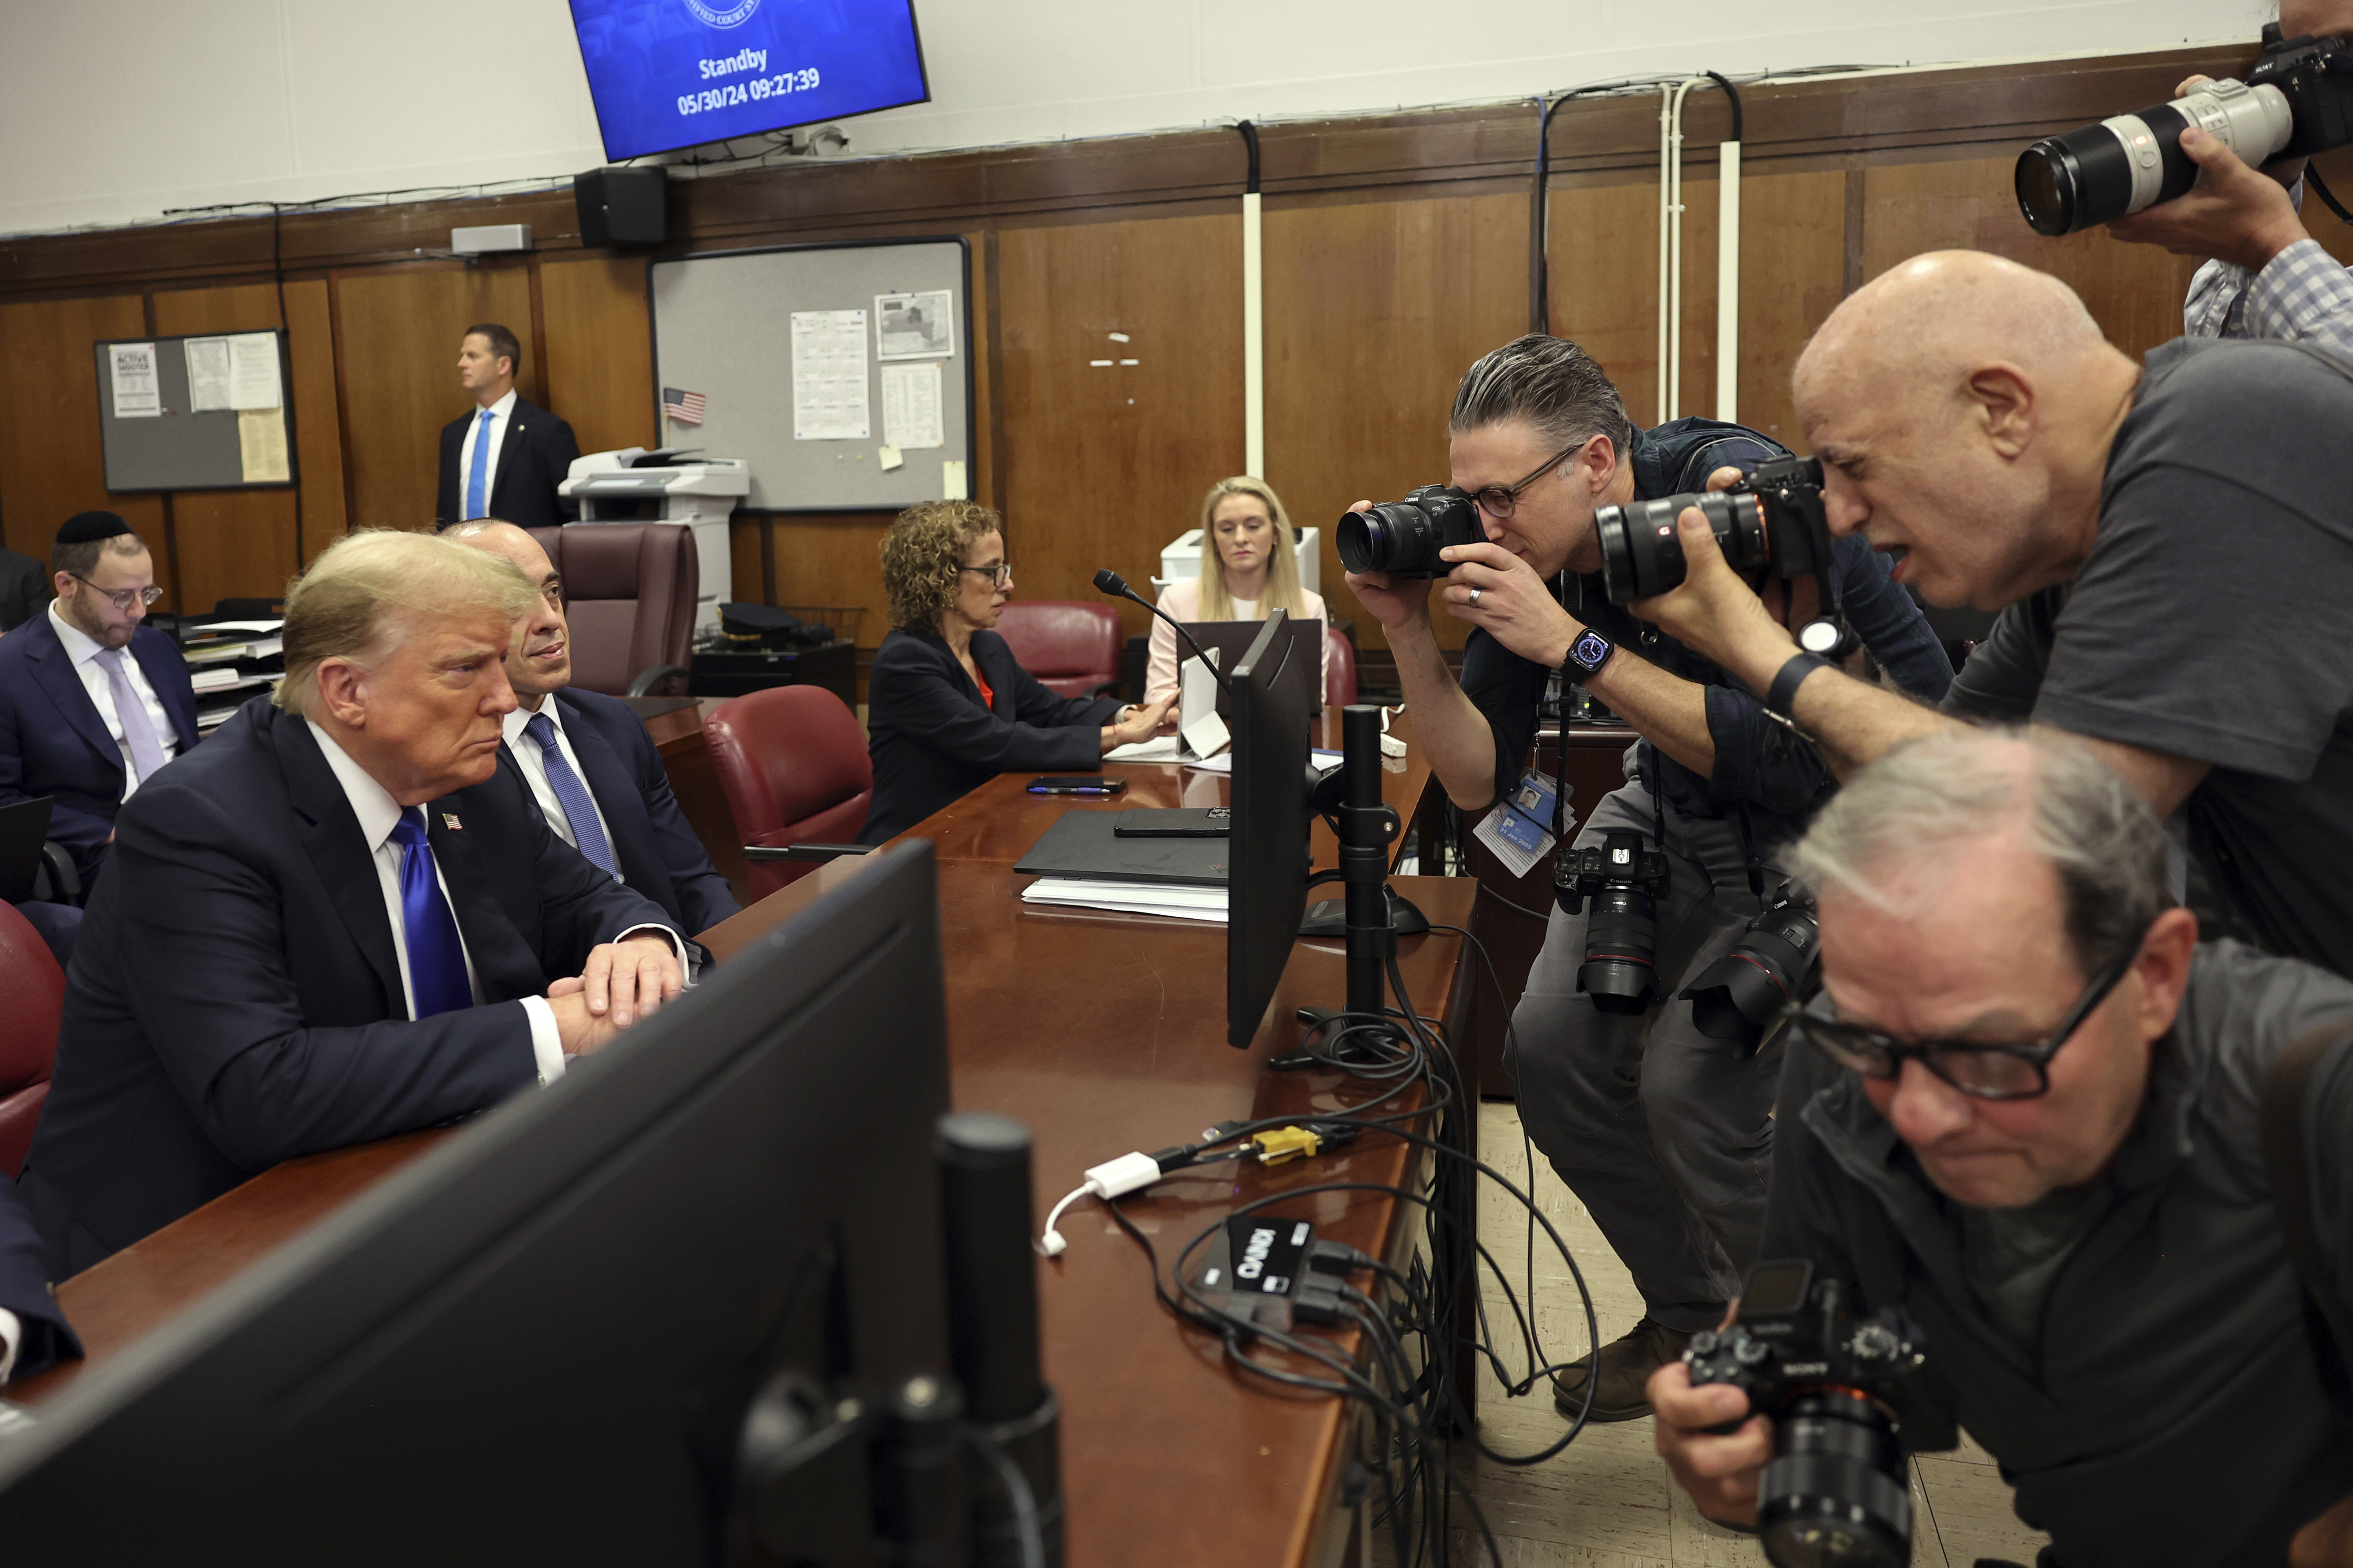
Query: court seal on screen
{"type": "Point", "coordinates": [733, 16]}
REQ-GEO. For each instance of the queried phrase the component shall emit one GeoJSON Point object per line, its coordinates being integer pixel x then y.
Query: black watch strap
{"type": "Point", "coordinates": [1589, 651]}
{"type": "Point", "coordinates": [1784, 690]}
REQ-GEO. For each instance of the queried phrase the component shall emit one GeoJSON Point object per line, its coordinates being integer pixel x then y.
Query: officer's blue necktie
{"type": "Point", "coordinates": [477, 481]}
{"type": "Point", "coordinates": [572, 795]}
{"type": "Point", "coordinates": [436, 963]}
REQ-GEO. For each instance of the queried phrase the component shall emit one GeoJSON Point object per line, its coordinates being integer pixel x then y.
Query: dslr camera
{"type": "Point", "coordinates": [1772, 517]}
{"type": "Point", "coordinates": [1736, 998]}
{"type": "Point", "coordinates": [1623, 877]}
{"type": "Point", "coordinates": [1836, 1491]}
{"type": "Point", "coordinates": [2297, 101]}
{"type": "Point", "coordinates": [1403, 538]}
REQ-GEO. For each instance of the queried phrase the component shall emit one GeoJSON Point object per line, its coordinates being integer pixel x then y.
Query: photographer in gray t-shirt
{"type": "Point", "coordinates": [2171, 547]}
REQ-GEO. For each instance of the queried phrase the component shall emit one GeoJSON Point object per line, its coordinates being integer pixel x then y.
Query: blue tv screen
{"type": "Point", "coordinates": [676, 73]}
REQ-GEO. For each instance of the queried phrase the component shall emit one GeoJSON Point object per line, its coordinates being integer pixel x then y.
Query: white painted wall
{"type": "Point", "coordinates": [115, 111]}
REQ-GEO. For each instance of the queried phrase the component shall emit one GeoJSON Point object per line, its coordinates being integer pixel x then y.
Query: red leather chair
{"type": "Point", "coordinates": [629, 592]}
{"type": "Point", "coordinates": [35, 989]}
{"type": "Point", "coordinates": [1069, 645]}
{"type": "Point", "coordinates": [793, 764]}
{"type": "Point", "coordinates": [1339, 669]}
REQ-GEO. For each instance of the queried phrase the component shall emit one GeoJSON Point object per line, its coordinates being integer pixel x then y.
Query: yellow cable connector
{"type": "Point", "coordinates": [1285, 1144]}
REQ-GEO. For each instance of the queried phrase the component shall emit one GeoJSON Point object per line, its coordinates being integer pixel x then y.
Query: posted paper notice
{"type": "Point", "coordinates": [915, 326]}
{"type": "Point", "coordinates": [207, 375]}
{"type": "Point", "coordinates": [253, 371]}
{"type": "Point", "coordinates": [910, 406]}
{"type": "Point", "coordinates": [829, 375]}
{"type": "Point", "coordinates": [138, 394]}
{"type": "Point", "coordinates": [261, 443]}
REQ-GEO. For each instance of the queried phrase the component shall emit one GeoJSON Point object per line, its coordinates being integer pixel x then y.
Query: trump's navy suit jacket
{"type": "Point", "coordinates": [53, 743]}
{"type": "Point", "coordinates": [658, 853]}
{"type": "Point", "coordinates": [25, 1290]}
{"type": "Point", "coordinates": [234, 999]}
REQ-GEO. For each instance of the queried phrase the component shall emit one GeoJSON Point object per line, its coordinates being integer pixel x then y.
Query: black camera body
{"type": "Point", "coordinates": [1403, 538]}
{"type": "Point", "coordinates": [1623, 877]}
{"type": "Point", "coordinates": [1775, 960]}
{"type": "Point", "coordinates": [2295, 101]}
{"type": "Point", "coordinates": [1772, 517]}
{"type": "Point", "coordinates": [1837, 1490]}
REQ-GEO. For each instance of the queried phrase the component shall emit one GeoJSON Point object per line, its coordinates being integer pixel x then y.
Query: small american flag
{"type": "Point", "coordinates": [686, 407]}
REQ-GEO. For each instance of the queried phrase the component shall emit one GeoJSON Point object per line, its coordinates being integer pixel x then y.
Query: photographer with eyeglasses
{"type": "Point", "coordinates": [1663, 1133]}
{"type": "Point", "coordinates": [2028, 1111]}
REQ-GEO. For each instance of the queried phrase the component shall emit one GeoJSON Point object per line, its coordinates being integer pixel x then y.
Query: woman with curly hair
{"type": "Point", "coordinates": [948, 705]}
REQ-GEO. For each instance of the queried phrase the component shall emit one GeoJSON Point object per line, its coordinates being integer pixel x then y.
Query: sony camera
{"type": "Point", "coordinates": [1623, 877]}
{"type": "Point", "coordinates": [1836, 1491]}
{"type": "Point", "coordinates": [2297, 101]}
{"type": "Point", "coordinates": [1772, 517]}
{"type": "Point", "coordinates": [1736, 998]}
{"type": "Point", "coordinates": [1403, 538]}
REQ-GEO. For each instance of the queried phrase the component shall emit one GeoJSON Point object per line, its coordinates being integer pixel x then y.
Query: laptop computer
{"type": "Point", "coordinates": [23, 827]}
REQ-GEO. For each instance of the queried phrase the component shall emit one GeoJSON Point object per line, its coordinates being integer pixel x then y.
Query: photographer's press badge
{"type": "Point", "coordinates": [1519, 829]}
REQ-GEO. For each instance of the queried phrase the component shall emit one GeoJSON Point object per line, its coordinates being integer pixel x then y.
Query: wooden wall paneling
{"type": "Point", "coordinates": [747, 536]}
{"type": "Point", "coordinates": [830, 560]}
{"type": "Point", "coordinates": [51, 463]}
{"type": "Point", "coordinates": [232, 543]}
{"type": "Point", "coordinates": [599, 355]}
{"type": "Point", "coordinates": [983, 482]}
{"type": "Point", "coordinates": [2134, 291]}
{"type": "Point", "coordinates": [1107, 462]}
{"type": "Point", "coordinates": [400, 329]}
{"type": "Point", "coordinates": [1373, 312]}
{"type": "Point", "coordinates": [318, 416]}
{"type": "Point", "coordinates": [1792, 262]}
{"type": "Point", "coordinates": [1602, 260]}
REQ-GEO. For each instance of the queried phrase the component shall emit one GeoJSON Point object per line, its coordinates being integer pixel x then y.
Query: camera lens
{"type": "Point", "coordinates": [1772, 963]}
{"type": "Point", "coordinates": [1367, 540]}
{"type": "Point", "coordinates": [1619, 957]}
{"type": "Point", "coordinates": [1403, 538]}
{"type": "Point", "coordinates": [1835, 1494]}
{"type": "Point", "coordinates": [1642, 554]}
{"type": "Point", "coordinates": [2085, 177]}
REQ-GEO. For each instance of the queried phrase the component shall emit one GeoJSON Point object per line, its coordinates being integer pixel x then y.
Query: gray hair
{"type": "Point", "coordinates": [1957, 785]}
{"type": "Point", "coordinates": [367, 586]}
{"type": "Point", "coordinates": [1550, 382]}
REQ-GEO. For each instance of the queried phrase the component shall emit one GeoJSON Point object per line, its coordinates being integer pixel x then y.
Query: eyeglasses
{"type": "Point", "coordinates": [999, 574]}
{"type": "Point", "coordinates": [121, 601]}
{"type": "Point", "coordinates": [1499, 502]}
{"type": "Point", "coordinates": [1977, 1068]}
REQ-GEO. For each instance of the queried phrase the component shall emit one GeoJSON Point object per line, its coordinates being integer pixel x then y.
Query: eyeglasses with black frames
{"type": "Point", "coordinates": [1979, 1069]}
{"type": "Point", "coordinates": [999, 574]}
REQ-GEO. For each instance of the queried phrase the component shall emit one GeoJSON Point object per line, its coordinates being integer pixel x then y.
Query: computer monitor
{"type": "Point", "coordinates": [537, 1343]}
{"type": "Point", "coordinates": [1267, 864]}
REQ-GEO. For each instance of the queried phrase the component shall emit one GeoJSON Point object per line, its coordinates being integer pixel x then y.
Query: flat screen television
{"type": "Point", "coordinates": [667, 74]}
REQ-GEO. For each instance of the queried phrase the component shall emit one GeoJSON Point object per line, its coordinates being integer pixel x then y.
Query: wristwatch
{"type": "Point", "coordinates": [1589, 652]}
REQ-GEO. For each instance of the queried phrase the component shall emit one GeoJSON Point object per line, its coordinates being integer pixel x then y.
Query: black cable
{"type": "Point", "coordinates": [1250, 139]}
{"type": "Point", "coordinates": [286, 325]}
{"type": "Point", "coordinates": [1731, 92]}
{"type": "Point", "coordinates": [1017, 1491]}
{"type": "Point", "coordinates": [1542, 916]}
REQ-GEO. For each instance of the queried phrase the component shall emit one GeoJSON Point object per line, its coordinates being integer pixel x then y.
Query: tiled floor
{"type": "Point", "coordinates": [1607, 1501]}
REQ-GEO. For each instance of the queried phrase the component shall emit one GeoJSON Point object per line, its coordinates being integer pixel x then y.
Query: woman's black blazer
{"type": "Point", "coordinates": [933, 742]}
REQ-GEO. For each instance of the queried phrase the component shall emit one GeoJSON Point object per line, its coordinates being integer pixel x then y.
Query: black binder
{"type": "Point", "coordinates": [1082, 843]}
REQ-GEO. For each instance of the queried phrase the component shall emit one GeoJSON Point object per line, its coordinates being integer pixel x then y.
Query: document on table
{"type": "Point", "coordinates": [207, 375]}
{"type": "Point", "coordinates": [1207, 905]}
{"type": "Point", "coordinates": [910, 406]}
{"type": "Point", "coordinates": [138, 394]}
{"type": "Point", "coordinates": [1159, 749]}
{"type": "Point", "coordinates": [1225, 763]}
{"type": "Point", "coordinates": [253, 373]}
{"type": "Point", "coordinates": [261, 445]}
{"type": "Point", "coordinates": [829, 375]}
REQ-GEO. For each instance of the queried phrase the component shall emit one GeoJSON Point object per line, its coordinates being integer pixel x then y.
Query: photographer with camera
{"type": "Point", "coordinates": [2172, 544]}
{"type": "Point", "coordinates": [2031, 1117]}
{"type": "Point", "coordinates": [1663, 1133]}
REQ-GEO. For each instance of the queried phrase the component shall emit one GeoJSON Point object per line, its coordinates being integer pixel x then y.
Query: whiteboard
{"type": "Point", "coordinates": [723, 327]}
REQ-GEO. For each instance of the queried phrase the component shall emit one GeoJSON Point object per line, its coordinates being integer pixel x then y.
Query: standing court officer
{"type": "Point", "coordinates": [506, 457]}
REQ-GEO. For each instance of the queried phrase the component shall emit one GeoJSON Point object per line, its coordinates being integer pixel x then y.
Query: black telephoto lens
{"type": "Point", "coordinates": [1619, 957]}
{"type": "Point", "coordinates": [1835, 1494]}
{"type": "Point", "coordinates": [1642, 554]}
{"type": "Point", "coordinates": [1773, 962]}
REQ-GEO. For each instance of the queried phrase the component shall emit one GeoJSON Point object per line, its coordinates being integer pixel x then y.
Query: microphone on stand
{"type": "Point", "coordinates": [1111, 583]}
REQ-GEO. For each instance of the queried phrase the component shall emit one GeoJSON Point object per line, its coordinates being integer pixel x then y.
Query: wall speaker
{"type": "Point", "coordinates": [623, 206]}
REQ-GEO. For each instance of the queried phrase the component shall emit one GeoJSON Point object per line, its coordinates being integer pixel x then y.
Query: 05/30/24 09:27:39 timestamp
{"type": "Point", "coordinates": [736, 92]}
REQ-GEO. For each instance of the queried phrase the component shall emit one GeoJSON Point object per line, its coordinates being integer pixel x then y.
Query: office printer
{"type": "Point", "coordinates": [668, 485]}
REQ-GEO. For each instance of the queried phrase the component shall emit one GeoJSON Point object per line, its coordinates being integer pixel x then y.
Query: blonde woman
{"type": "Point", "coordinates": [1247, 567]}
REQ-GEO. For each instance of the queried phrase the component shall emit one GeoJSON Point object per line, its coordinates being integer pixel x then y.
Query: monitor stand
{"type": "Point", "coordinates": [1371, 916]}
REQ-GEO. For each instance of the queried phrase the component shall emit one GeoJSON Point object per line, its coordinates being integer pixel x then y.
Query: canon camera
{"type": "Point", "coordinates": [1738, 997]}
{"type": "Point", "coordinates": [2297, 101]}
{"type": "Point", "coordinates": [1835, 1491]}
{"type": "Point", "coordinates": [1622, 877]}
{"type": "Point", "coordinates": [1403, 538]}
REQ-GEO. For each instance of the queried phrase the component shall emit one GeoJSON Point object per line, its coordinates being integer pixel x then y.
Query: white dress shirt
{"type": "Point", "coordinates": [501, 414]}
{"type": "Point", "coordinates": [534, 762]}
{"type": "Point", "coordinates": [12, 1334]}
{"type": "Point", "coordinates": [84, 651]}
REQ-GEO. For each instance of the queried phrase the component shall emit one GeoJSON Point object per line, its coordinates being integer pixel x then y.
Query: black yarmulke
{"type": "Point", "coordinates": [83, 527]}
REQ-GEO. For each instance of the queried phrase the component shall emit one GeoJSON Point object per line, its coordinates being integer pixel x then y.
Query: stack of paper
{"type": "Point", "coordinates": [1159, 749]}
{"type": "Point", "coordinates": [1225, 765]}
{"type": "Point", "coordinates": [1204, 904]}
{"type": "Point", "coordinates": [215, 677]}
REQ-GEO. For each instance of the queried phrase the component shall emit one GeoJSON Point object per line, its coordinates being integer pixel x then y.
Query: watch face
{"type": "Point", "coordinates": [1590, 650]}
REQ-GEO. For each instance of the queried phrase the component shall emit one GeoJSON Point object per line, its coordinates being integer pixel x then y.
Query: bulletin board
{"type": "Point", "coordinates": [158, 439]}
{"type": "Point", "coordinates": [764, 337]}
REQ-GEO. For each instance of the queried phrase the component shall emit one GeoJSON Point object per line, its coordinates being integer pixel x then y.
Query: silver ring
{"type": "Point", "coordinates": [1475, 598]}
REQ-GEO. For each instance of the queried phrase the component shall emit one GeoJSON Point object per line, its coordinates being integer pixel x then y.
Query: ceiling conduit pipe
{"type": "Point", "coordinates": [1253, 321]}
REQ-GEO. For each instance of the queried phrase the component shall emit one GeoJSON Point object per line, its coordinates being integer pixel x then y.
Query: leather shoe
{"type": "Point", "coordinates": [1626, 1368]}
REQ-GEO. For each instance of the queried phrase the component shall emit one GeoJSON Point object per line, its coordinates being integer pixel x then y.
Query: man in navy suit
{"type": "Point", "coordinates": [33, 1332]}
{"type": "Point", "coordinates": [92, 704]}
{"type": "Point", "coordinates": [506, 457]}
{"type": "Point", "coordinates": [588, 761]}
{"type": "Point", "coordinates": [337, 921]}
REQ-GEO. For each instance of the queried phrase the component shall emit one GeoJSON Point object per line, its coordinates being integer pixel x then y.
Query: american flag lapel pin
{"type": "Point", "coordinates": [450, 820]}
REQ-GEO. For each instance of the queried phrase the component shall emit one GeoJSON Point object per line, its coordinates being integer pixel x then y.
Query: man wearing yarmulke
{"type": "Point", "coordinates": [92, 703]}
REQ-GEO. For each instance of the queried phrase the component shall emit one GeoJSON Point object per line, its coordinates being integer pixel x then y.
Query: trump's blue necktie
{"type": "Point", "coordinates": [580, 811]}
{"type": "Point", "coordinates": [436, 963]}
{"type": "Point", "coordinates": [478, 481]}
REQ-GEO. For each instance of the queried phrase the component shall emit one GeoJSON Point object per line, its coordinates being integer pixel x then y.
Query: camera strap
{"type": "Point", "coordinates": [2320, 188]}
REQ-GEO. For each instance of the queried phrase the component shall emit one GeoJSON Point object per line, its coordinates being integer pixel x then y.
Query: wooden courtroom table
{"type": "Point", "coordinates": [1104, 1032]}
